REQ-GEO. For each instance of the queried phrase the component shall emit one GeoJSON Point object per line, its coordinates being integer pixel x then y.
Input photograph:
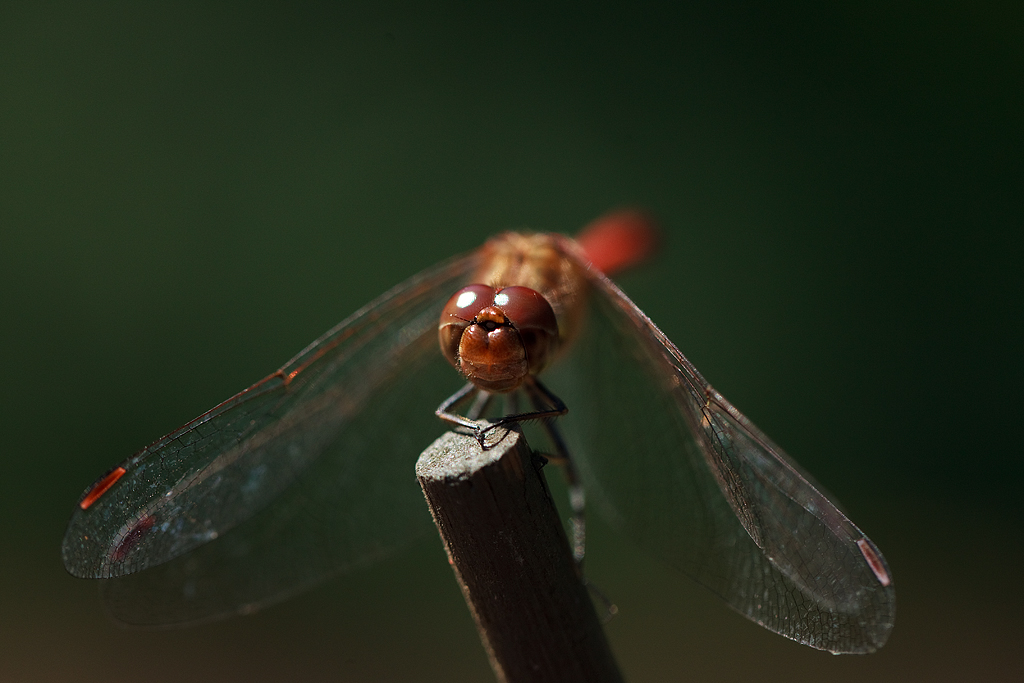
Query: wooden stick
{"type": "Point", "coordinates": [510, 555]}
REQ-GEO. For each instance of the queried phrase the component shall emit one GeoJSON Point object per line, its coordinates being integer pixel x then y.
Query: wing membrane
{"type": "Point", "coordinates": [298, 477]}
{"type": "Point", "coordinates": [676, 467]}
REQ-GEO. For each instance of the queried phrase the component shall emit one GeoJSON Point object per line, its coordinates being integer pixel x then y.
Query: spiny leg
{"type": "Point", "coordinates": [532, 386]}
{"type": "Point", "coordinates": [444, 411]}
{"type": "Point", "coordinates": [577, 497]}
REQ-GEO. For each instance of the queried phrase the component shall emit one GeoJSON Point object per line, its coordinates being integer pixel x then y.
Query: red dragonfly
{"type": "Point", "coordinates": [309, 472]}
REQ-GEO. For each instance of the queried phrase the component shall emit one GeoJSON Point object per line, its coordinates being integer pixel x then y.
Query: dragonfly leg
{"type": "Point", "coordinates": [444, 411]}
{"type": "Point", "coordinates": [480, 404]}
{"type": "Point", "coordinates": [561, 457]}
{"type": "Point", "coordinates": [554, 407]}
{"type": "Point", "coordinates": [577, 501]}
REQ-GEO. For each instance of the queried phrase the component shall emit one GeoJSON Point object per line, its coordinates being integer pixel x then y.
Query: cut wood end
{"type": "Point", "coordinates": [456, 456]}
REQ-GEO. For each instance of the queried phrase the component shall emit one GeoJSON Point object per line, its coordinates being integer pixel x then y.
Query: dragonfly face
{"type": "Point", "coordinates": [309, 472]}
{"type": "Point", "coordinates": [498, 337]}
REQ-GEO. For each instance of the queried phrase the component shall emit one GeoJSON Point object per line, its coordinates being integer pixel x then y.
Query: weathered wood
{"type": "Point", "coordinates": [509, 551]}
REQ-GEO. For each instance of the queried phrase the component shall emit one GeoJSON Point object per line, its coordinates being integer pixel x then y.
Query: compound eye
{"type": "Point", "coordinates": [532, 316]}
{"type": "Point", "coordinates": [457, 315]}
{"type": "Point", "coordinates": [467, 302]}
{"type": "Point", "coordinates": [526, 309]}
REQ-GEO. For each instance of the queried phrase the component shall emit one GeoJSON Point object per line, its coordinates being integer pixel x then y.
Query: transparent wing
{"type": "Point", "coordinates": [676, 467]}
{"type": "Point", "coordinates": [302, 475]}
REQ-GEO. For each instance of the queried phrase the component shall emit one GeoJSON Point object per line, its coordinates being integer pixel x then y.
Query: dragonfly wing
{"type": "Point", "coordinates": [305, 474]}
{"type": "Point", "coordinates": [677, 468]}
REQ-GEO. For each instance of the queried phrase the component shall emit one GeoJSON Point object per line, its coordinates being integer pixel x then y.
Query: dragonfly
{"type": "Point", "coordinates": [309, 472]}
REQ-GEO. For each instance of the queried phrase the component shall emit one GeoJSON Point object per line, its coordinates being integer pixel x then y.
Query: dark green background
{"type": "Point", "coordinates": [191, 193]}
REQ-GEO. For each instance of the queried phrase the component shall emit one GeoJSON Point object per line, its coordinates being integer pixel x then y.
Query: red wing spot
{"type": "Point", "coordinates": [874, 562]}
{"type": "Point", "coordinates": [101, 487]}
{"type": "Point", "coordinates": [132, 538]}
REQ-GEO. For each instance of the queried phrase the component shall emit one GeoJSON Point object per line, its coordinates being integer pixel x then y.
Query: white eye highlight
{"type": "Point", "coordinates": [465, 299]}
{"type": "Point", "coordinates": [500, 299]}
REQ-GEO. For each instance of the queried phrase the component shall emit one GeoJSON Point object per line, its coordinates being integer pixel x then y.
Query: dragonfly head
{"type": "Point", "coordinates": [497, 337]}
